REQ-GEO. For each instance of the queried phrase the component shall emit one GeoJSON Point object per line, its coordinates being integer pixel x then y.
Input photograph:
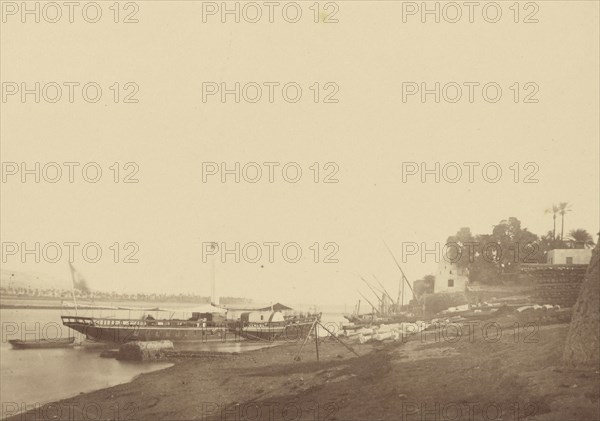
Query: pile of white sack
{"type": "Point", "coordinates": [538, 307]}
{"type": "Point", "coordinates": [393, 332]}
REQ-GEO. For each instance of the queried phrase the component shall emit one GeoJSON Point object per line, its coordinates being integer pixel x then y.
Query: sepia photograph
{"type": "Point", "coordinates": [308, 210]}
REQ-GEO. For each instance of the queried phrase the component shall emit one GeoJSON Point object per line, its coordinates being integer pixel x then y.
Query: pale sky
{"type": "Point", "coordinates": [368, 134]}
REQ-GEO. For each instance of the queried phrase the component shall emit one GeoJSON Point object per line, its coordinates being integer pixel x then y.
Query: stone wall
{"type": "Point", "coordinates": [556, 284]}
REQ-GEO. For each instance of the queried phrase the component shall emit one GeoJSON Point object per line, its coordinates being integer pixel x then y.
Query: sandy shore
{"type": "Point", "coordinates": [513, 377]}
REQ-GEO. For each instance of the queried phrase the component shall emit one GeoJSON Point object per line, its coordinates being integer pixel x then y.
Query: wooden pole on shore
{"type": "Point", "coordinates": [297, 357]}
{"type": "Point", "coordinates": [317, 338]}
{"type": "Point", "coordinates": [340, 341]}
{"type": "Point", "coordinates": [315, 326]}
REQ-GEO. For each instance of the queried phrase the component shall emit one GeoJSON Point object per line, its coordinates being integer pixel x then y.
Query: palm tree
{"type": "Point", "coordinates": [553, 210]}
{"type": "Point", "coordinates": [581, 236]}
{"type": "Point", "coordinates": [548, 242]}
{"type": "Point", "coordinates": [563, 207]}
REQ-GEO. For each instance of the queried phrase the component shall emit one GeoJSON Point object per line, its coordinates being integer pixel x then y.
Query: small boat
{"type": "Point", "coordinates": [42, 343]}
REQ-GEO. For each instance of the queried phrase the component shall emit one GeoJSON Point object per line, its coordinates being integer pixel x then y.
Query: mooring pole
{"type": "Point", "coordinates": [317, 338]}
{"type": "Point", "coordinates": [297, 357]}
{"type": "Point", "coordinates": [349, 348]}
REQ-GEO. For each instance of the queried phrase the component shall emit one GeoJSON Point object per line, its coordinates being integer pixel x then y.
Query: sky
{"type": "Point", "coordinates": [361, 141]}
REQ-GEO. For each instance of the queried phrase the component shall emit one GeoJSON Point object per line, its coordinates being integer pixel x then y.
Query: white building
{"type": "Point", "coordinates": [449, 278]}
{"type": "Point", "coordinates": [569, 256]}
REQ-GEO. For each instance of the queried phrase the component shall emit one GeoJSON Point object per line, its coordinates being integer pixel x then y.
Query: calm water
{"type": "Point", "coordinates": [38, 376]}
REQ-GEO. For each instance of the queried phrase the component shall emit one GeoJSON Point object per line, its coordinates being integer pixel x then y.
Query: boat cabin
{"type": "Point", "coordinates": [262, 317]}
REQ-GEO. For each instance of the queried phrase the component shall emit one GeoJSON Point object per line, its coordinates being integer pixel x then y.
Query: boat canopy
{"type": "Point", "coordinates": [273, 307]}
{"type": "Point", "coordinates": [203, 308]}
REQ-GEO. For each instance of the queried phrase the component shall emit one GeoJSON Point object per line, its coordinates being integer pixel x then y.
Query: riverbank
{"type": "Point", "coordinates": [49, 303]}
{"type": "Point", "coordinates": [518, 377]}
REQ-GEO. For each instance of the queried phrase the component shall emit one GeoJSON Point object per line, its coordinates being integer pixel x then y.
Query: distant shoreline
{"type": "Point", "coordinates": [39, 307]}
{"type": "Point", "coordinates": [17, 303]}
{"type": "Point", "coordinates": [28, 307]}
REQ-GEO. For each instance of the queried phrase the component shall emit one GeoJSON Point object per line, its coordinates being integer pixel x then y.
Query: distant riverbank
{"type": "Point", "coordinates": [12, 302]}
{"type": "Point", "coordinates": [39, 307]}
{"type": "Point", "coordinates": [44, 303]}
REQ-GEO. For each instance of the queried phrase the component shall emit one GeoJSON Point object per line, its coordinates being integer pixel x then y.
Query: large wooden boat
{"type": "Point", "coordinates": [125, 330]}
{"type": "Point", "coordinates": [42, 343]}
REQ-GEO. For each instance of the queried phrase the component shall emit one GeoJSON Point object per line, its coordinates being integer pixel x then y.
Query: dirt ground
{"type": "Point", "coordinates": [431, 376]}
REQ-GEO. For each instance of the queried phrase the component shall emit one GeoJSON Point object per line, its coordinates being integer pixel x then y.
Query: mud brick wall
{"type": "Point", "coordinates": [556, 284]}
{"type": "Point", "coordinates": [545, 317]}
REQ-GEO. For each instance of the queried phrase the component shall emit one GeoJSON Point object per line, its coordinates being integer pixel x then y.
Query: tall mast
{"type": "Point", "coordinates": [372, 289]}
{"type": "Point", "coordinates": [402, 303]}
{"type": "Point", "coordinates": [73, 285]}
{"type": "Point", "coordinates": [213, 288]}
{"type": "Point", "coordinates": [404, 279]}
{"type": "Point", "coordinates": [384, 290]}
{"type": "Point", "coordinates": [367, 300]}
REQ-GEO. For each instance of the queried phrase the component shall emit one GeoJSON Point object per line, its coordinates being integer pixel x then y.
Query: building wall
{"type": "Point", "coordinates": [449, 278]}
{"type": "Point", "coordinates": [265, 316]}
{"type": "Point", "coordinates": [259, 316]}
{"type": "Point", "coordinates": [578, 256]}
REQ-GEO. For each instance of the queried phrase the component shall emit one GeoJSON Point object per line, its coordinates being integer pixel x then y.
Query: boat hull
{"type": "Point", "coordinates": [42, 344]}
{"type": "Point", "coordinates": [122, 331]}
{"type": "Point", "coordinates": [288, 332]}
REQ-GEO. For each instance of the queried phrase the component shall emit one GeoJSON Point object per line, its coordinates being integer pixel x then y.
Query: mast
{"type": "Point", "coordinates": [72, 269]}
{"type": "Point", "coordinates": [214, 300]}
{"type": "Point", "coordinates": [372, 289]}
{"type": "Point", "coordinates": [402, 303]}
{"type": "Point", "coordinates": [366, 299]}
{"type": "Point", "coordinates": [384, 290]}
{"type": "Point", "coordinates": [403, 275]}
